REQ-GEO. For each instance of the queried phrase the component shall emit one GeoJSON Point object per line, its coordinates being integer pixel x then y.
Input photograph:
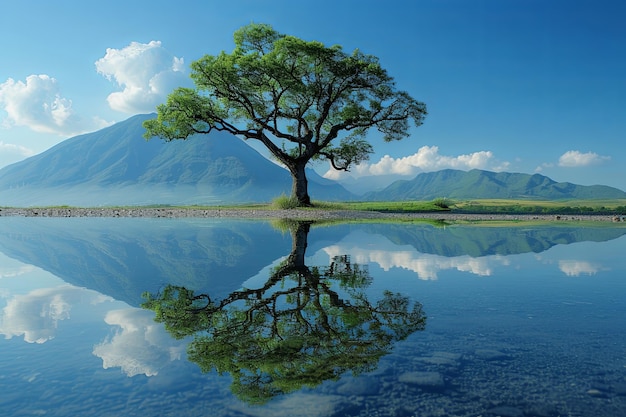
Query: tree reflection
{"type": "Point", "coordinates": [305, 325]}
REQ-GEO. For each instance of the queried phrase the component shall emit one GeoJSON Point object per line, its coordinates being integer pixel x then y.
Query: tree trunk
{"type": "Point", "coordinates": [295, 261]}
{"type": "Point", "coordinates": [299, 238]}
{"type": "Point", "coordinates": [300, 187]}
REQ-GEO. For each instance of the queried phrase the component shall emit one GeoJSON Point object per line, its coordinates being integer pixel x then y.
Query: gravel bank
{"type": "Point", "coordinates": [287, 214]}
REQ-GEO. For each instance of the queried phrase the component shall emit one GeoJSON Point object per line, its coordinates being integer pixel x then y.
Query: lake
{"type": "Point", "coordinates": [225, 317]}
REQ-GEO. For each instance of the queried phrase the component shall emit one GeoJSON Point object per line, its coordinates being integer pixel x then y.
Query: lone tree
{"type": "Point", "coordinates": [302, 100]}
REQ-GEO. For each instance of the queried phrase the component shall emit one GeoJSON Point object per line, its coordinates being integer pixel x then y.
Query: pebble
{"type": "Point", "coordinates": [596, 393]}
{"type": "Point", "coordinates": [262, 213]}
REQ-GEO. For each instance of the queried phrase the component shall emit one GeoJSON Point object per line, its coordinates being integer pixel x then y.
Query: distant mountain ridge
{"type": "Point", "coordinates": [117, 166]}
{"type": "Point", "coordinates": [479, 184]}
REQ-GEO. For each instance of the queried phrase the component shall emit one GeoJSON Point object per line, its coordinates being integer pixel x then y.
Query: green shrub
{"type": "Point", "coordinates": [441, 203]}
{"type": "Point", "coordinates": [282, 202]}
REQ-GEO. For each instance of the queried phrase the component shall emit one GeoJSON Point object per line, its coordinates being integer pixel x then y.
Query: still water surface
{"type": "Point", "coordinates": [263, 319]}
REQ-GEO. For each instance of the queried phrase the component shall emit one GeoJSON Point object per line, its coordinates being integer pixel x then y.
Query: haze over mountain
{"type": "Point", "coordinates": [117, 166]}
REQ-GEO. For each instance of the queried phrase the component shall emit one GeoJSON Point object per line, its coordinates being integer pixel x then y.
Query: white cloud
{"type": "Point", "coordinates": [140, 346]}
{"type": "Point", "coordinates": [426, 159]}
{"type": "Point", "coordinates": [147, 73]}
{"type": "Point", "coordinates": [10, 153]}
{"type": "Point", "coordinates": [37, 103]}
{"type": "Point", "coordinates": [36, 315]}
{"type": "Point", "coordinates": [579, 159]}
{"type": "Point", "coordinates": [16, 272]}
{"type": "Point", "coordinates": [15, 149]}
{"type": "Point", "coordinates": [543, 166]}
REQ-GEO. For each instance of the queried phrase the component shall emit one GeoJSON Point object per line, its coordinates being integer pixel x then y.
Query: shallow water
{"type": "Point", "coordinates": [512, 321]}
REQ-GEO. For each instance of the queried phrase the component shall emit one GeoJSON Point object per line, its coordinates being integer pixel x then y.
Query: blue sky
{"type": "Point", "coordinates": [517, 85]}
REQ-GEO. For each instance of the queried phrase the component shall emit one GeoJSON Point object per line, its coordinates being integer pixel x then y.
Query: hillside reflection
{"type": "Point", "coordinates": [304, 325]}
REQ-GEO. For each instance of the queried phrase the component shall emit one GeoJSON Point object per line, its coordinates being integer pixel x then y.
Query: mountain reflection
{"type": "Point", "coordinates": [123, 257]}
{"type": "Point", "coordinates": [304, 325]}
{"type": "Point", "coordinates": [485, 240]}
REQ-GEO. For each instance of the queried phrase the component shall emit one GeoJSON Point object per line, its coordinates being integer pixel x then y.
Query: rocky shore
{"type": "Point", "coordinates": [303, 214]}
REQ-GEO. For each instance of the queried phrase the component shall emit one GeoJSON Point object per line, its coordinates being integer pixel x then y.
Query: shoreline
{"type": "Point", "coordinates": [303, 214]}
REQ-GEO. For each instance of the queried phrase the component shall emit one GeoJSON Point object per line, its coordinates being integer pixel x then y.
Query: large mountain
{"type": "Point", "coordinates": [116, 165]}
{"type": "Point", "coordinates": [477, 184]}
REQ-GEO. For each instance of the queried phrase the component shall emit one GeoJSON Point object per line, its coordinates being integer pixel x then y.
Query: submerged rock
{"type": "Point", "coordinates": [360, 386]}
{"type": "Point", "coordinates": [441, 359]}
{"type": "Point", "coordinates": [620, 388]}
{"type": "Point", "coordinates": [505, 411]}
{"type": "Point", "coordinates": [296, 405]}
{"type": "Point", "coordinates": [491, 355]}
{"type": "Point", "coordinates": [425, 380]}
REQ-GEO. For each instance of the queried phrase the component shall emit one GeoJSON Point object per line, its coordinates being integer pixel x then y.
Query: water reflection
{"type": "Point", "coordinates": [122, 258]}
{"type": "Point", "coordinates": [522, 320]}
{"type": "Point", "coordinates": [305, 325]}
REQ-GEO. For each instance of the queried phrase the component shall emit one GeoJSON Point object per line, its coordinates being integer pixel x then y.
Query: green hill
{"type": "Point", "coordinates": [479, 184]}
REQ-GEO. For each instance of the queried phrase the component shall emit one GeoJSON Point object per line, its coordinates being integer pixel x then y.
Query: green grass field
{"type": "Point", "coordinates": [495, 206]}
{"type": "Point", "coordinates": [542, 206]}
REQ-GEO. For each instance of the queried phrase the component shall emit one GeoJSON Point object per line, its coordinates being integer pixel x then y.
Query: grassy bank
{"type": "Point", "coordinates": [492, 206]}
{"type": "Point", "coordinates": [510, 207]}
{"type": "Point", "coordinates": [567, 207]}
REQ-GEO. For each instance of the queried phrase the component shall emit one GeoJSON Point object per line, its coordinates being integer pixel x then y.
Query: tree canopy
{"type": "Point", "coordinates": [301, 99]}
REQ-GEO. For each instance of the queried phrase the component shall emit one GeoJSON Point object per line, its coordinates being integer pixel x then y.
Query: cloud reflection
{"type": "Point", "coordinates": [573, 268]}
{"type": "Point", "coordinates": [36, 315]}
{"type": "Point", "coordinates": [140, 345]}
{"type": "Point", "coordinates": [426, 266]}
